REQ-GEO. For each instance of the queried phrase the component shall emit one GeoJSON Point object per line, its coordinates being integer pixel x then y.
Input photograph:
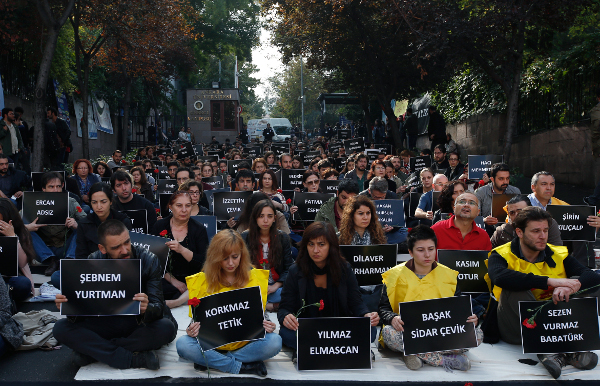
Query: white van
{"type": "Point", "coordinates": [281, 126]}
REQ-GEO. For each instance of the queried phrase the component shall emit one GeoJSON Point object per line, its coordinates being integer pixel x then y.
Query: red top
{"type": "Point", "coordinates": [450, 237]}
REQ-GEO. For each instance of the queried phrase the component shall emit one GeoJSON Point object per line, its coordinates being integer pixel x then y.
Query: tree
{"type": "Point", "coordinates": [53, 23]}
{"type": "Point", "coordinates": [493, 34]}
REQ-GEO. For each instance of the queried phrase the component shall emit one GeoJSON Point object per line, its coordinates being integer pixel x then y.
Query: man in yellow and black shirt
{"type": "Point", "coordinates": [529, 269]}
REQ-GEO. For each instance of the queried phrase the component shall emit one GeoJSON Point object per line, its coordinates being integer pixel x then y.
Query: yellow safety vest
{"type": "Point", "coordinates": [539, 269]}
{"type": "Point", "coordinates": [197, 286]}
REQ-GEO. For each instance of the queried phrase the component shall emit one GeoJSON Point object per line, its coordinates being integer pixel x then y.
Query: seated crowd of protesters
{"type": "Point", "coordinates": [294, 261]}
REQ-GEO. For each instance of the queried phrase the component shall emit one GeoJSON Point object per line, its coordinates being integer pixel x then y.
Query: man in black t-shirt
{"type": "Point", "coordinates": [127, 200]}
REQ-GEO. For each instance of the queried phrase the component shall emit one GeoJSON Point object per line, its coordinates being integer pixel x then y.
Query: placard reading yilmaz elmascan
{"type": "Point", "coordinates": [334, 343]}
{"type": "Point", "coordinates": [229, 317]}
{"type": "Point", "coordinates": [100, 286]}
{"type": "Point", "coordinates": [50, 208]}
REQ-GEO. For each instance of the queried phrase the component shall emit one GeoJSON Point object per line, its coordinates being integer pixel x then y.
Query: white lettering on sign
{"type": "Point", "coordinates": [565, 312]}
{"type": "Point", "coordinates": [334, 350]}
{"type": "Point", "coordinates": [44, 202]}
{"type": "Point", "coordinates": [232, 210]}
{"type": "Point", "coordinates": [312, 210]}
{"type": "Point", "coordinates": [467, 264]}
{"type": "Point", "coordinates": [486, 162]}
{"type": "Point", "coordinates": [368, 258]}
{"type": "Point", "coordinates": [233, 201]}
{"type": "Point", "coordinates": [227, 308]}
{"type": "Point", "coordinates": [145, 246]}
{"type": "Point", "coordinates": [570, 216]}
{"type": "Point", "coordinates": [468, 276]}
{"type": "Point", "coordinates": [570, 227]}
{"type": "Point", "coordinates": [138, 230]}
{"type": "Point", "coordinates": [561, 338]}
{"type": "Point", "coordinates": [333, 334]}
{"type": "Point", "coordinates": [370, 271]}
{"type": "Point", "coordinates": [45, 212]}
{"type": "Point", "coordinates": [436, 316]}
{"type": "Point", "coordinates": [387, 206]}
{"type": "Point", "coordinates": [314, 202]}
{"type": "Point", "coordinates": [100, 294]}
{"type": "Point", "coordinates": [560, 326]}
{"type": "Point", "coordinates": [230, 323]}
{"type": "Point", "coordinates": [85, 277]}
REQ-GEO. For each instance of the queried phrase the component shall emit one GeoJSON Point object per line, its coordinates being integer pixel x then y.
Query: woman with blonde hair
{"type": "Point", "coordinates": [259, 165]}
{"type": "Point", "coordinates": [228, 267]}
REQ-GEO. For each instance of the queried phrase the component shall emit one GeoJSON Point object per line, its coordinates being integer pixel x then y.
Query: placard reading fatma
{"type": "Point", "coordinates": [289, 179]}
{"type": "Point", "coordinates": [210, 223]}
{"type": "Point", "coordinates": [480, 164]}
{"type": "Point", "coordinates": [498, 203]}
{"type": "Point", "coordinates": [370, 261]}
{"type": "Point", "coordinates": [36, 179]}
{"type": "Point", "coordinates": [418, 163]}
{"type": "Point", "coordinates": [334, 343]}
{"type": "Point", "coordinates": [437, 325]}
{"type": "Point", "coordinates": [139, 220]}
{"type": "Point", "coordinates": [390, 212]}
{"type": "Point", "coordinates": [470, 266]}
{"type": "Point", "coordinates": [329, 186]}
{"type": "Point", "coordinates": [9, 256]}
{"type": "Point", "coordinates": [228, 205]}
{"type": "Point", "coordinates": [354, 145]}
{"type": "Point", "coordinates": [100, 286]}
{"type": "Point", "coordinates": [216, 182]}
{"type": "Point", "coordinates": [229, 317]}
{"type": "Point", "coordinates": [154, 244]}
{"type": "Point", "coordinates": [309, 204]}
{"type": "Point", "coordinates": [560, 328]}
{"type": "Point", "coordinates": [572, 221]}
{"type": "Point", "coordinates": [49, 208]}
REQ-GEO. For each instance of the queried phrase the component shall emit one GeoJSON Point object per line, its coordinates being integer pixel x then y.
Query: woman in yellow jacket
{"type": "Point", "coordinates": [227, 268]}
{"type": "Point", "coordinates": [420, 278]}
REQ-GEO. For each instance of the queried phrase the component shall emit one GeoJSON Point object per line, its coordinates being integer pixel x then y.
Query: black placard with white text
{"type": "Point", "coordinates": [229, 317]}
{"type": "Point", "coordinates": [274, 167]}
{"type": "Point", "coordinates": [9, 256]}
{"type": "Point", "coordinates": [280, 148]}
{"type": "Point", "coordinates": [232, 166]}
{"type": "Point", "coordinates": [198, 150]}
{"type": "Point", "coordinates": [289, 179]}
{"type": "Point", "coordinates": [480, 164]}
{"type": "Point", "coordinates": [229, 204]}
{"type": "Point", "coordinates": [560, 328]}
{"type": "Point", "coordinates": [354, 145]}
{"type": "Point", "coordinates": [100, 286]}
{"type": "Point", "coordinates": [498, 203]}
{"type": "Point", "coordinates": [50, 208]}
{"type": "Point", "coordinates": [210, 223]}
{"type": "Point", "coordinates": [216, 182]}
{"type": "Point", "coordinates": [329, 186]}
{"type": "Point", "coordinates": [309, 204]}
{"type": "Point", "coordinates": [344, 134]}
{"type": "Point", "coordinates": [384, 148]}
{"type": "Point", "coordinates": [209, 196]}
{"type": "Point", "coordinates": [167, 186]}
{"type": "Point", "coordinates": [139, 220]}
{"type": "Point", "coordinates": [370, 261]}
{"type": "Point", "coordinates": [418, 163]}
{"type": "Point", "coordinates": [390, 212]}
{"type": "Point", "coordinates": [254, 151]}
{"type": "Point", "coordinates": [36, 179]}
{"type": "Point", "coordinates": [308, 156]}
{"type": "Point", "coordinates": [334, 343]}
{"type": "Point", "coordinates": [572, 221]}
{"type": "Point", "coordinates": [372, 155]}
{"type": "Point", "coordinates": [154, 244]}
{"type": "Point", "coordinates": [163, 173]}
{"type": "Point", "coordinates": [437, 325]}
{"type": "Point", "coordinates": [470, 266]}
{"type": "Point", "coordinates": [413, 200]}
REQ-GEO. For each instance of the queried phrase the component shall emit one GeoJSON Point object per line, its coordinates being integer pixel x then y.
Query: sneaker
{"type": "Point", "coordinates": [145, 360]}
{"type": "Point", "coordinates": [256, 368]}
{"type": "Point", "coordinates": [413, 362]}
{"type": "Point", "coordinates": [458, 362]}
{"type": "Point", "coordinates": [53, 266]}
{"type": "Point", "coordinates": [582, 360]}
{"type": "Point", "coordinates": [553, 363]}
{"type": "Point", "coordinates": [81, 360]}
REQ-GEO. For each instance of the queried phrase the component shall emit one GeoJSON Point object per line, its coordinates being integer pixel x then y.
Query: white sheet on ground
{"type": "Point", "coordinates": [497, 362]}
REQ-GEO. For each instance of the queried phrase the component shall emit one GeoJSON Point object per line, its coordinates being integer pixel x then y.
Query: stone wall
{"type": "Point", "coordinates": [565, 151]}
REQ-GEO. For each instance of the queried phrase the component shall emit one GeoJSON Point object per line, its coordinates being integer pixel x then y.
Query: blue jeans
{"type": "Point", "coordinates": [43, 251]}
{"type": "Point", "coordinates": [397, 236]}
{"type": "Point", "coordinates": [275, 297]}
{"type": "Point", "coordinates": [55, 279]}
{"type": "Point", "coordinates": [21, 287]}
{"type": "Point", "coordinates": [229, 361]}
{"type": "Point", "coordinates": [288, 337]}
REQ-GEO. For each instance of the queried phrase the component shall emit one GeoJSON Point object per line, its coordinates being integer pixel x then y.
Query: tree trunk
{"type": "Point", "coordinates": [85, 140]}
{"type": "Point", "coordinates": [125, 129]}
{"type": "Point", "coordinates": [364, 101]}
{"type": "Point", "coordinates": [512, 112]}
{"type": "Point", "coordinates": [40, 100]}
{"type": "Point", "coordinates": [389, 113]}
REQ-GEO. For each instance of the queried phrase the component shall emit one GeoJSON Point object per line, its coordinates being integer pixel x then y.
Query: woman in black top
{"type": "Point", "coordinates": [141, 184]}
{"type": "Point", "coordinates": [320, 274]}
{"type": "Point", "coordinates": [188, 244]}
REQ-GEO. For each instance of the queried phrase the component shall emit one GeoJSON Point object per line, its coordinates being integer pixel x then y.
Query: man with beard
{"type": "Point", "coordinates": [125, 199]}
{"type": "Point", "coordinates": [331, 211]}
{"type": "Point", "coordinates": [500, 177]}
{"type": "Point", "coordinates": [359, 174]}
{"type": "Point", "coordinates": [121, 341]}
{"type": "Point", "coordinates": [530, 269]}
{"type": "Point", "coordinates": [439, 159]}
{"type": "Point", "coordinates": [10, 136]}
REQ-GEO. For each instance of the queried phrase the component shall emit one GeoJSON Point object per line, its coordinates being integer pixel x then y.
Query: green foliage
{"type": "Point", "coordinates": [63, 62]}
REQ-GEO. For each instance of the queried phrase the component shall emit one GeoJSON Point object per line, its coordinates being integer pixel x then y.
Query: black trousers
{"type": "Point", "coordinates": [113, 339]}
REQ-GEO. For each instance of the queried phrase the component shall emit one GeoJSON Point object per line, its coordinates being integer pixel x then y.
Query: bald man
{"type": "Point", "coordinates": [425, 207]}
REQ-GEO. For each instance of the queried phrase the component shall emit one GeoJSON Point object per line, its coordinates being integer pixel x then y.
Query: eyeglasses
{"type": "Point", "coordinates": [194, 193]}
{"type": "Point", "coordinates": [465, 202]}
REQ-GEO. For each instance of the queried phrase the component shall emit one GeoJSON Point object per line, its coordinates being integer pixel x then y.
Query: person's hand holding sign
{"type": "Point", "coordinates": [71, 223]}
{"type": "Point", "coordinates": [398, 324]}
{"type": "Point", "coordinates": [269, 326]}
{"type": "Point", "coordinates": [489, 220]}
{"type": "Point", "coordinates": [193, 329]}
{"type": "Point", "coordinates": [34, 226]}
{"type": "Point", "coordinates": [374, 316]}
{"type": "Point", "coordinates": [59, 300]}
{"type": "Point", "coordinates": [472, 319]}
{"type": "Point", "coordinates": [143, 299]}
{"type": "Point", "coordinates": [594, 221]}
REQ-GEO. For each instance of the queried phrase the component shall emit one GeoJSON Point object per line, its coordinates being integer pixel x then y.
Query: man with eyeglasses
{"type": "Point", "coordinates": [439, 159]}
{"type": "Point", "coordinates": [460, 231]}
{"type": "Point", "coordinates": [456, 168]}
{"type": "Point", "coordinates": [425, 208]}
{"type": "Point", "coordinates": [506, 233]}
